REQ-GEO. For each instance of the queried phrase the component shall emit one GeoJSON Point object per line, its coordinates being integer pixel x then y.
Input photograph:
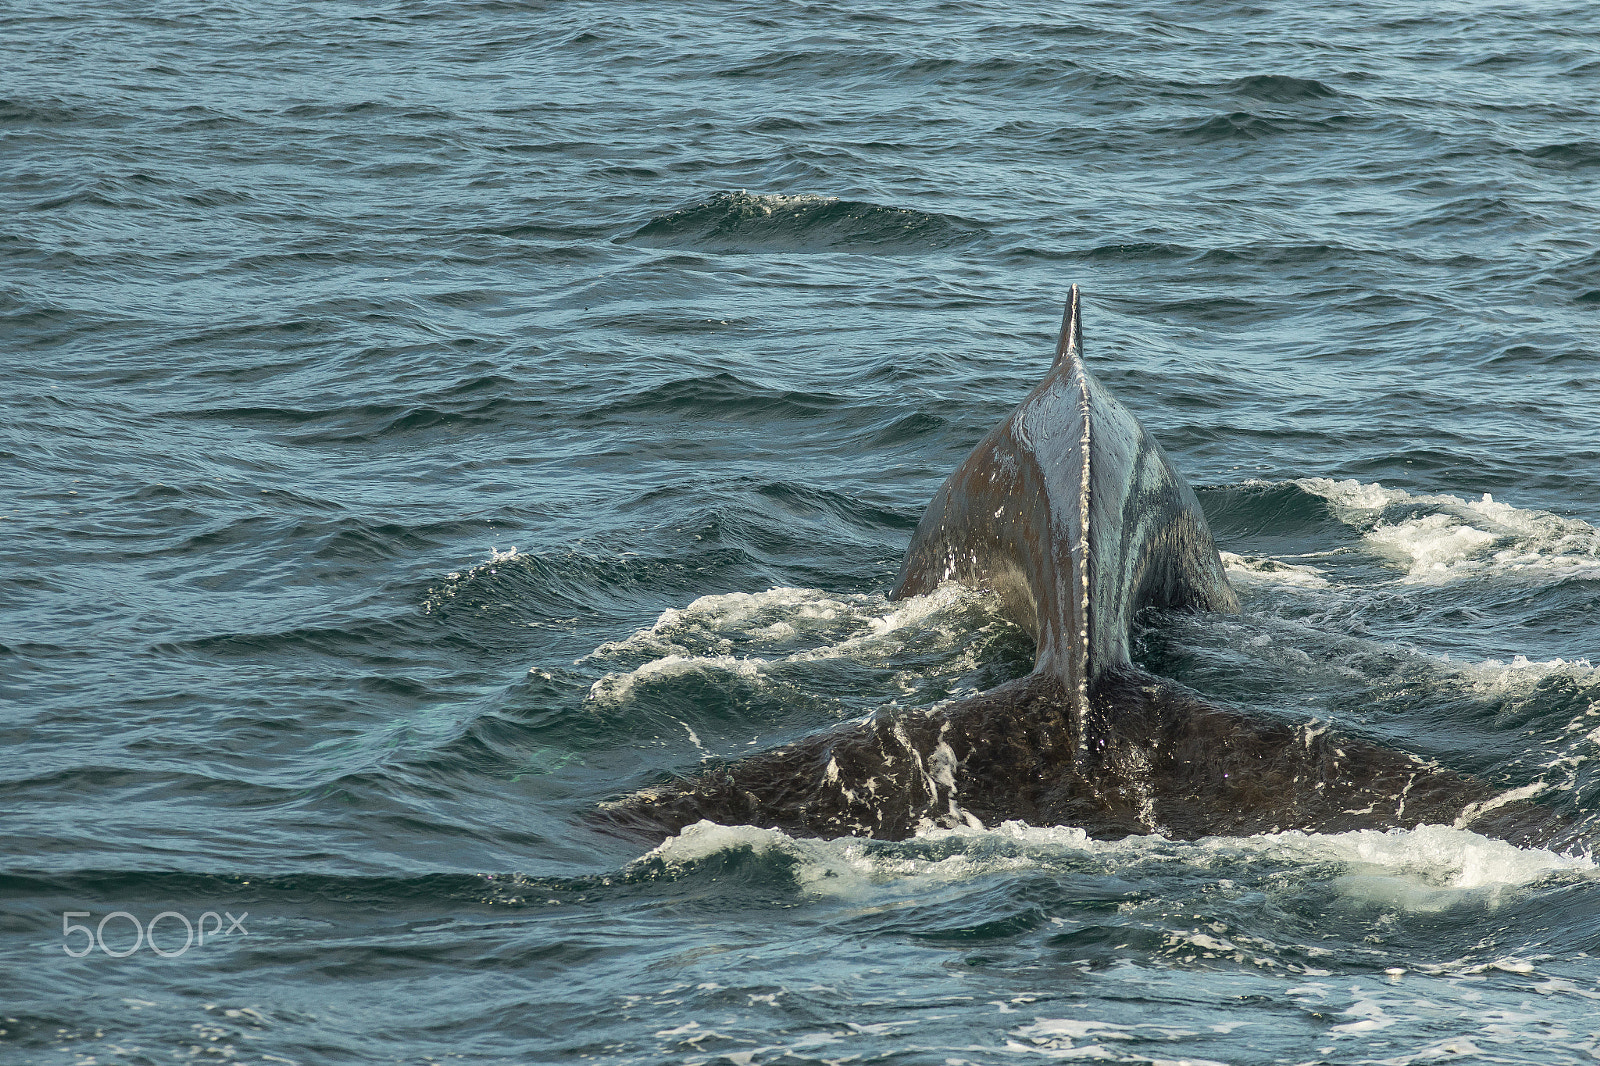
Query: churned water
{"type": "Point", "coordinates": [424, 421]}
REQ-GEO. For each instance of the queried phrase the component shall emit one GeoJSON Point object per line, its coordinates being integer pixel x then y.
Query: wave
{"type": "Point", "coordinates": [1567, 155]}
{"type": "Point", "coordinates": [746, 222]}
{"type": "Point", "coordinates": [1246, 126]}
{"type": "Point", "coordinates": [722, 395]}
{"type": "Point", "coordinates": [1281, 88]}
{"type": "Point", "coordinates": [1442, 538]}
{"type": "Point", "coordinates": [1419, 870]}
{"type": "Point", "coordinates": [1430, 539]}
{"type": "Point", "coordinates": [305, 889]}
{"type": "Point", "coordinates": [51, 112]}
{"type": "Point", "coordinates": [481, 400]}
{"type": "Point", "coordinates": [914, 649]}
{"type": "Point", "coordinates": [1269, 571]}
{"type": "Point", "coordinates": [547, 589]}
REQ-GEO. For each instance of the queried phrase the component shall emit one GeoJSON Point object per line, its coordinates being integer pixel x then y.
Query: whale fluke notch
{"type": "Point", "coordinates": [1072, 515]}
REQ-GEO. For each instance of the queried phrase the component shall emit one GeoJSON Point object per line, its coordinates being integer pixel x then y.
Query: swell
{"type": "Point", "coordinates": [741, 222]}
{"type": "Point", "coordinates": [307, 893]}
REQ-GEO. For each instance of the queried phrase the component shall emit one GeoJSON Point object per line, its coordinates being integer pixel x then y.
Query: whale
{"type": "Point", "coordinates": [1073, 517]}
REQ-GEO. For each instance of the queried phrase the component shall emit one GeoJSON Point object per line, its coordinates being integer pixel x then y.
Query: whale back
{"type": "Point", "coordinates": [1072, 514]}
{"type": "Point", "coordinates": [1075, 518]}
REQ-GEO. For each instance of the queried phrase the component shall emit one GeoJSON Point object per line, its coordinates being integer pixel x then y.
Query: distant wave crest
{"type": "Point", "coordinates": [747, 222]}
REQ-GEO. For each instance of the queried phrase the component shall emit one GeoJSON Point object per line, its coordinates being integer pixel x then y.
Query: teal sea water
{"type": "Point", "coordinates": [424, 421]}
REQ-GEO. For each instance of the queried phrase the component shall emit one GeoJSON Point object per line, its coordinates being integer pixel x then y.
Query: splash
{"type": "Point", "coordinates": [1422, 870]}
{"type": "Point", "coordinates": [457, 580]}
{"type": "Point", "coordinates": [1265, 570]}
{"type": "Point", "coordinates": [754, 636]}
{"type": "Point", "coordinates": [1444, 538]}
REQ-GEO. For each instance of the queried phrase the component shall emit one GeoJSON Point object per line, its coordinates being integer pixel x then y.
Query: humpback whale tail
{"type": "Point", "coordinates": [1070, 344]}
{"type": "Point", "coordinates": [1072, 515]}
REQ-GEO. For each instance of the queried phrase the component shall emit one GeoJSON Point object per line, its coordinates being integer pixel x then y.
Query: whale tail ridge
{"type": "Point", "coordinates": [1070, 344]}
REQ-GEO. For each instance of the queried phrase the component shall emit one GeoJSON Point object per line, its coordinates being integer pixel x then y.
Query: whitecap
{"type": "Point", "coordinates": [1454, 538]}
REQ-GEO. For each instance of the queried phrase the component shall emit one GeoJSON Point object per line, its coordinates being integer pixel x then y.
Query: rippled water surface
{"type": "Point", "coordinates": [426, 421]}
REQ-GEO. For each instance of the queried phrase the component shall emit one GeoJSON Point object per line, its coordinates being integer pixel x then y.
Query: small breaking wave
{"type": "Point", "coordinates": [1421, 870]}
{"type": "Point", "coordinates": [753, 636]}
{"type": "Point", "coordinates": [1563, 696]}
{"type": "Point", "coordinates": [1264, 570]}
{"type": "Point", "coordinates": [748, 222]}
{"type": "Point", "coordinates": [1522, 675]}
{"type": "Point", "coordinates": [458, 581]}
{"type": "Point", "coordinates": [1443, 538]}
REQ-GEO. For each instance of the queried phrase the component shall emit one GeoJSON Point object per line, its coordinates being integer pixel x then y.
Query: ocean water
{"type": "Point", "coordinates": [425, 421]}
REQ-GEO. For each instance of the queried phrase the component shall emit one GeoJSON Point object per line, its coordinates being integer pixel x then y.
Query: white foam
{"type": "Point", "coordinates": [750, 634]}
{"type": "Point", "coordinates": [1458, 538]}
{"type": "Point", "coordinates": [1431, 547]}
{"type": "Point", "coordinates": [914, 613]}
{"type": "Point", "coordinates": [1054, 1038]}
{"type": "Point", "coordinates": [615, 687]}
{"type": "Point", "coordinates": [835, 867]}
{"type": "Point", "coordinates": [751, 204]}
{"type": "Point", "coordinates": [1429, 868]}
{"type": "Point", "coordinates": [710, 621]}
{"type": "Point", "coordinates": [1420, 870]}
{"type": "Point", "coordinates": [1264, 570]}
{"type": "Point", "coordinates": [705, 838]}
{"type": "Point", "coordinates": [1352, 499]}
{"type": "Point", "coordinates": [1519, 677]}
{"type": "Point", "coordinates": [456, 579]}
{"type": "Point", "coordinates": [1513, 684]}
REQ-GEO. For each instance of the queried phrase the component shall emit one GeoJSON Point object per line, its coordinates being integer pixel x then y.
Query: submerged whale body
{"type": "Point", "coordinates": [1074, 517]}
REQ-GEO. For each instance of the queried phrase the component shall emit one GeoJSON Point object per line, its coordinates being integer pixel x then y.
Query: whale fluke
{"type": "Point", "coordinates": [1074, 517]}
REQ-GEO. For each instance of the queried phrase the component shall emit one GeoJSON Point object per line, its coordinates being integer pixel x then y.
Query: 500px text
{"type": "Point", "coordinates": [146, 934]}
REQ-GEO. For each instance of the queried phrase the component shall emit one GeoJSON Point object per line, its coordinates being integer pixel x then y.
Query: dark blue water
{"type": "Point", "coordinates": [425, 421]}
